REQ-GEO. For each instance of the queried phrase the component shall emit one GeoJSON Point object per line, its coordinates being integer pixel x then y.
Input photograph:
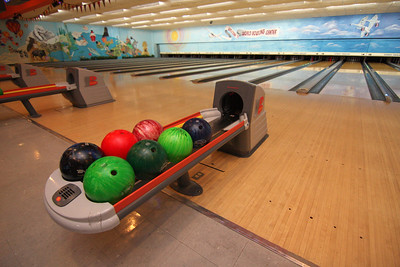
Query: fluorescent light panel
{"type": "Point", "coordinates": [120, 25]}
{"type": "Point", "coordinates": [235, 10]}
{"type": "Point", "coordinates": [174, 10]}
{"type": "Point", "coordinates": [143, 15]}
{"type": "Point", "coordinates": [351, 6]}
{"type": "Point", "coordinates": [161, 24]}
{"type": "Point", "coordinates": [295, 11]}
{"type": "Point", "coordinates": [142, 26]}
{"type": "Point", "coordinates": [209, 19]}
{"type": "Point", "coordinates": [165, 19]}
{"type": "Point", "coordinates": [185, 21]}
{"type": "Point", "coordinates": [91, 16]}
{"type": "Point", "coordinates": [216, 5]}
{"type": "Point", "coordinates": [98, 22]}
{"type": "Point", "coordinates": [115, 12]}
{"type": "Point", "coordinates": [140, 22]}
{"type": "Point", "coordinates": [249, 15]}
{"type": "Point", "coordinates": [196, 15]}
{"type": "Point", "coordinates": [150, 5]}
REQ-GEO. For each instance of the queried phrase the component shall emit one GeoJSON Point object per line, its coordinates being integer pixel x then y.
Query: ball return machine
{"type": "Point", "coordinates": [239, 125]}
{"type": "Point", "coordinates": [83, 88]}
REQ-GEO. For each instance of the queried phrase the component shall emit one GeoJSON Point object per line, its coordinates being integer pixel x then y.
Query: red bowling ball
{"type": "Point", "coordinates": [147, 130]}
{"type": "Point", "coordinates": [118, 142]}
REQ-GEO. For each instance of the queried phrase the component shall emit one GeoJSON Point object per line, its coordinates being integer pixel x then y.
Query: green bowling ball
{"type": "Point", "coordinates": [109, 179]}
{"type": "Point", "coordinates": [177, 143]}
{"type": "Point", "coordinates": [148, 158]}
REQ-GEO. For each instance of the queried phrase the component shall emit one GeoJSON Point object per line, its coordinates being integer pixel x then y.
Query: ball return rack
{"type": "Point", "coordinates": [83, 88]}
{"type": "Point", "coordinates": [239, 127]}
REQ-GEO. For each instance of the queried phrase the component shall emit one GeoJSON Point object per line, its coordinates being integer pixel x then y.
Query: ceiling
{"type": "Point", "coordinates": [167, 14]}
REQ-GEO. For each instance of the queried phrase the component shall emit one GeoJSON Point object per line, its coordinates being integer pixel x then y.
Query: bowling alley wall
{"type": "Point", "coordinates": [33, 41]}
{"type": "Point", "coordinates": [360, 35]}
{"type": "Point", "coordinates": [379, 35]}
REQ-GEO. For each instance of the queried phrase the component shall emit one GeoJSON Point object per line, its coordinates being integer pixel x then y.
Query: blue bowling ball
{"type": "Point", "coordinates": [199, 130]}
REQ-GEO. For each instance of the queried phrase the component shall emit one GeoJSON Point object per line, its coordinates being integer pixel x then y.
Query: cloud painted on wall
{"type": "Point", "coordinates": [310, 29]}
{"type": "Point", "coordinates": [333, 45]}
{"type": "Point", "coordinates": [374, 45]}
{"type": "Point", "coordinates": [394, 27]}
{"type": "Point", "coordinates": [361, 45]}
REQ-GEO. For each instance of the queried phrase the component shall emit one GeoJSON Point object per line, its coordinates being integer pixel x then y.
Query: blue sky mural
{"type": "Point", "coordinates": [43, 41]}
{"type": "Point", "coordinates": [374, 33]}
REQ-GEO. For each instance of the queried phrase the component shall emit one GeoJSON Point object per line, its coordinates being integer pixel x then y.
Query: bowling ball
{"type": "Point", "coordinates": [77, 158]}
{"type": "Point", "coordinates": [177, 143]}
{"type": "Point", "coordinates": [118, 142]}
{"type": "Point", "coordinates": [199, 130]}
{"type": "Point", "coordinates": [109, 179]}
{"type": "Point", "coordinates": [147, 129]}
{"type": "Point", "coordinates": [148, 158]}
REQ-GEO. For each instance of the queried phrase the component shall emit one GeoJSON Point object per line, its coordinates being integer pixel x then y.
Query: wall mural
{"type": "Point", "coordinates": [44, 41]}
{"type": "Point", "coordinates": [374, 33]}
{"type": "Point", "coordinates": [41, 41]}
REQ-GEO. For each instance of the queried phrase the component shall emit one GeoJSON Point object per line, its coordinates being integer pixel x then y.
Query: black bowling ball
{"type": "Point", "coordinates": [199, 130]}
{"type": "Point", "coordinates": [77, 158]}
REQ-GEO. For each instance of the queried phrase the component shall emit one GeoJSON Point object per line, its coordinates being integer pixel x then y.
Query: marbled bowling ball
{"type": "Point", "coordinates": [199, 130]}
{"type": "Point", "coordinates": [147, 129]}
{"type": "Point", "coordinates": [77, 158]}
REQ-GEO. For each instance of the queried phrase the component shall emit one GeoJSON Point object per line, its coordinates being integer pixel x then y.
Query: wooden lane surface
{"type": "Point", "coordinates": [325, 185]}
{"type": "Point", "coordinates": [287, 81]}
{"type": "Point", "coordinates": [348, 81]}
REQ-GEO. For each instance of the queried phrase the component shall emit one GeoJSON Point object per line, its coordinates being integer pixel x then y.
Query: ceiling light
{"type": "Point", "coordinates": [180, 1]}
{"type": "Point", "coordinates": [351, 6]}
{"type": "Point", "coordinates": [120, 25]}
{"type": "Point", "coordinates": [220, 18]}
{"type": "Point", "coordinates": [150, 5]}
{"type": "Point", "coordinates": [114, 12]}
{"type": "Point", "coordinates": [295, 11]}
{"type": "Point", "coordinates": [235, 10]}
{"type": "Point", "coordinates": [161, 24]}
{"type": "Point", "coordinates": [143, 26]}
{"type": "Point", "coordinates": [91, 16]}
{"type": "Point", "coordinates": [98, 22]}
{"type": "Point", "coordinates": [284, 5]}
{"type": "Point", "coordinates": [70, 20]}
{"type": "Point", "coordinates": [175, 10]}
{"type": "Point", "coordinates": [249, 15]}
{"type": "Point", "coordinates": [216, 5]}
{"type": "Point", "coordinates": [140, 22]}
{"type": "Point", "coordinates": [143, 15]}
{"type": "Point", "coordinates": [115, 20]}
{"type": "Point", "coordinates": [197, 15]}
{"type": "Point", "coordinates": [185, 21]}
{"type": "Point", "coordinates": [165, 19]}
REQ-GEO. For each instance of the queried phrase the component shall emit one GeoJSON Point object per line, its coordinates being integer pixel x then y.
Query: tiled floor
{"type": "Point", "coordinates": [162, 232]}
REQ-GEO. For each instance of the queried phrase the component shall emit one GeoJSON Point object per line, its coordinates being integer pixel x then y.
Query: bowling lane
{"type": "Point", "coordinates": [260, 73]}
{"type": "Point", "coordinates": [220, 72]}
{"type": "Point", "coordinates": [348, 81]}
{"type": "Point", "coordinates": [390, 75]}
{"type": "Point", "coordinates": [289, 80]}
{"type": "Point", "coordinates": [188, 70]}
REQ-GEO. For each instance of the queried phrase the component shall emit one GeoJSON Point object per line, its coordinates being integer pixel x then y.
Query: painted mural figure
{"type": "Point", "coordinates": [92, 36]}
{"type": "Point", "coordinates": [145, 51]}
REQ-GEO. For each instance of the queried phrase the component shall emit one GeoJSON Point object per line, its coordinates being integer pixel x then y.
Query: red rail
{"type": "Point", "coordinates": [30, 90]}
{"type": "Point", "coordinates": [180, 165]}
